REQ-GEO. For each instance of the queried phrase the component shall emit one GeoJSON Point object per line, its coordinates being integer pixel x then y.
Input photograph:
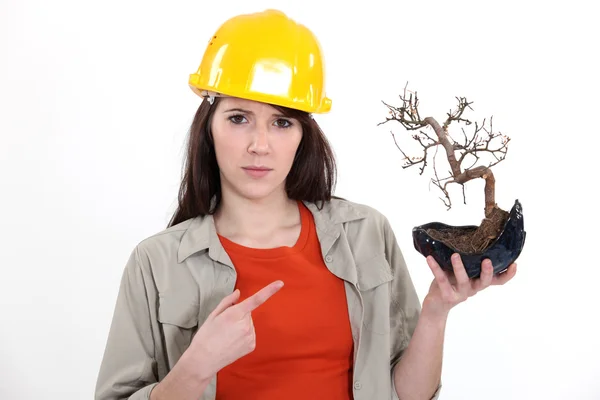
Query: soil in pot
{"type": "Point", "coordinates": [473, 240]}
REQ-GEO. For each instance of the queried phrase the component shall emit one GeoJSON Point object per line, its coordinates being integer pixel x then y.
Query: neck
{"type": "Point", "coordinates": [242, 217]}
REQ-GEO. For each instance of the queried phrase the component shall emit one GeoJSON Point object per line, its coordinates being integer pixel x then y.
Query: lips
{"type": "Point", "coordinates": [257, 171]}
{"type": "Point", "coordinates": [258, 168]}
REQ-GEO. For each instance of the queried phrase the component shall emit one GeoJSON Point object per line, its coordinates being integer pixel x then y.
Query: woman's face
{"type": "Point", "coordinates": [255, 147]}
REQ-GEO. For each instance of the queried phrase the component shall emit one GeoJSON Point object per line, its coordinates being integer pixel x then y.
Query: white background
{"type": "Point", "coordinates": [94, 111]}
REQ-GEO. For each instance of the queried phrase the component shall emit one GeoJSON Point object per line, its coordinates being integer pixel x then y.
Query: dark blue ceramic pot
{"type": "Point", "coordinates": [502, 252]}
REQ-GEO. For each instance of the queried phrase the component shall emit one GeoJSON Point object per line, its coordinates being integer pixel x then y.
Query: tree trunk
{"type": "Point", "coordinates": [463, 177]}
{"type": "Point", "coordinates": [490, 185]}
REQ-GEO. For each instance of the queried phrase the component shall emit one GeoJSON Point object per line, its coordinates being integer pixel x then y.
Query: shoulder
{"type": "Point", "coordinates": [163, 246]}
{"type": "Point", "coordinates": [364, 227]}
{"type": "Point", "coordinates": [360, 212]}
{"type": "Point", "coordinates": [165, 236]}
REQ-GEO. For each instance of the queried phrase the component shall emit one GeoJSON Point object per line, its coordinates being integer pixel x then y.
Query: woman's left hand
{"type": "Point", "coordinates": [447, 289]}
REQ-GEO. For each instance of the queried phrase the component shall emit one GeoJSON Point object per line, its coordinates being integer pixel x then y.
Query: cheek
{"type": "Point", "coordinates": [228, 154]}
{"type": "Point", "coordinates": [227, 148]}
{"type": "Point", "coordinates": [290, 147]}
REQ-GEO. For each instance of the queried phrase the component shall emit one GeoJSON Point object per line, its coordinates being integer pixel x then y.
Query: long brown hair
{"type": "Point", "coordinates": [312, 176]}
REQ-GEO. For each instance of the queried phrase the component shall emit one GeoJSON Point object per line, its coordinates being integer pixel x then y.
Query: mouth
{"type": "Point", "coordinates": [256, 171]}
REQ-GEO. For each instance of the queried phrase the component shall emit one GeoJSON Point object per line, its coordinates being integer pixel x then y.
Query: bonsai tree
{"type": "Point", "coordinates": [472, 155]}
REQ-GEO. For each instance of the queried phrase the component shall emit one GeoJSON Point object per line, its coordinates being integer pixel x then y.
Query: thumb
{"type": "Point", "coordinates": [227, 302]}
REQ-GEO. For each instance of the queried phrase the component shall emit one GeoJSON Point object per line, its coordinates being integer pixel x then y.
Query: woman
{"type": "Point", "coordinates": [264, 285]}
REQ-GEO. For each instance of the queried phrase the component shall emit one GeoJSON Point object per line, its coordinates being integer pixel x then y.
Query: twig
{"type": "Point", "coordinates": [478, 143]}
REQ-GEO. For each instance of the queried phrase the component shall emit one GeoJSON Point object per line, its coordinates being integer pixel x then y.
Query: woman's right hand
{"type": "Point", "coordinates": [225, 336]}
{"type": "Point", "coordinates": [228, 332]}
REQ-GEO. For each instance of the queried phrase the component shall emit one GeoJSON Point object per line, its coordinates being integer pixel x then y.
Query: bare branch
{"type": "Point", "coordinates": [427, 136]}
{"type": "Point", "coordinates": [407, 114]}
{"type": "Point", "coordinates": [438, 182]}
{"type": "Point", "coordinates": [457, 114]}
{"type": "Point", "coordinates": [482, 141]}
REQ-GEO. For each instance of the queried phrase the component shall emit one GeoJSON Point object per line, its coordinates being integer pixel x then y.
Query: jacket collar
{"type": "Point", "coordinates": [201, 234]}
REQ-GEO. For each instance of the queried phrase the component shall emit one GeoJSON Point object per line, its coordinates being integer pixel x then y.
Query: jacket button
{"type": "Point", "coordinates": [357, 385]}
{"type": "Point", "coordinates": [329, 259]}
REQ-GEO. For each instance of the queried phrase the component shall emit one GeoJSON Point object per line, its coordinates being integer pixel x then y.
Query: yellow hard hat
{"type": "Point", "coordinates": [265, 57]}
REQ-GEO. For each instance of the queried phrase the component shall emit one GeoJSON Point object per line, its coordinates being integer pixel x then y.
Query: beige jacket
{"type": "Point", "coordinates": [174, 279]}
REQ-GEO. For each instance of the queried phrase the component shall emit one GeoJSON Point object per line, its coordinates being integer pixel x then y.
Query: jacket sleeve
{"type": "Point", "coordinates": [128, 368]}
{"type": "Point", "coordinates": [405, 306]}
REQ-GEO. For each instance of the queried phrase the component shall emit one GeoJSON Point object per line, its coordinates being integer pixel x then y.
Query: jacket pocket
{"type": "Point", "coordinates": [374, 276]}
{"type": "Point", "coordinates": [179, 322]}
{"type": "Point", "coordinates": [174, 311]}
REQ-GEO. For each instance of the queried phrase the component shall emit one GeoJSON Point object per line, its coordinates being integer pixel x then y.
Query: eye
{"type": "Point", "coordinates": [237, 119]}
{"type": "Point", "coordinates": [283, 123]}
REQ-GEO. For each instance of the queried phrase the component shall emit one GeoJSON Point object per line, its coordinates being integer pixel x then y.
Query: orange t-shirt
{"type": "Point", "coordinates": [304, 347]}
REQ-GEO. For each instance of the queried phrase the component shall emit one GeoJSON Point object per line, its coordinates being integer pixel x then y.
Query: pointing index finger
{"type": "Point", "coordinates": [258, 298]}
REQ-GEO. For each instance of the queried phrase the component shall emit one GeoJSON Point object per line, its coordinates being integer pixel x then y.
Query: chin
{"type": "Point", "coordinates": [254, 191]}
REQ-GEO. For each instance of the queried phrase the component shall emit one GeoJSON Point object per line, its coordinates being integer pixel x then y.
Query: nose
{"type": "Point", "coordinates": [260, 142]}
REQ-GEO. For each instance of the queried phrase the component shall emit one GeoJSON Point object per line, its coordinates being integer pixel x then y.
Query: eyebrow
{"type": "Point", "coordinates": [250, 112]}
